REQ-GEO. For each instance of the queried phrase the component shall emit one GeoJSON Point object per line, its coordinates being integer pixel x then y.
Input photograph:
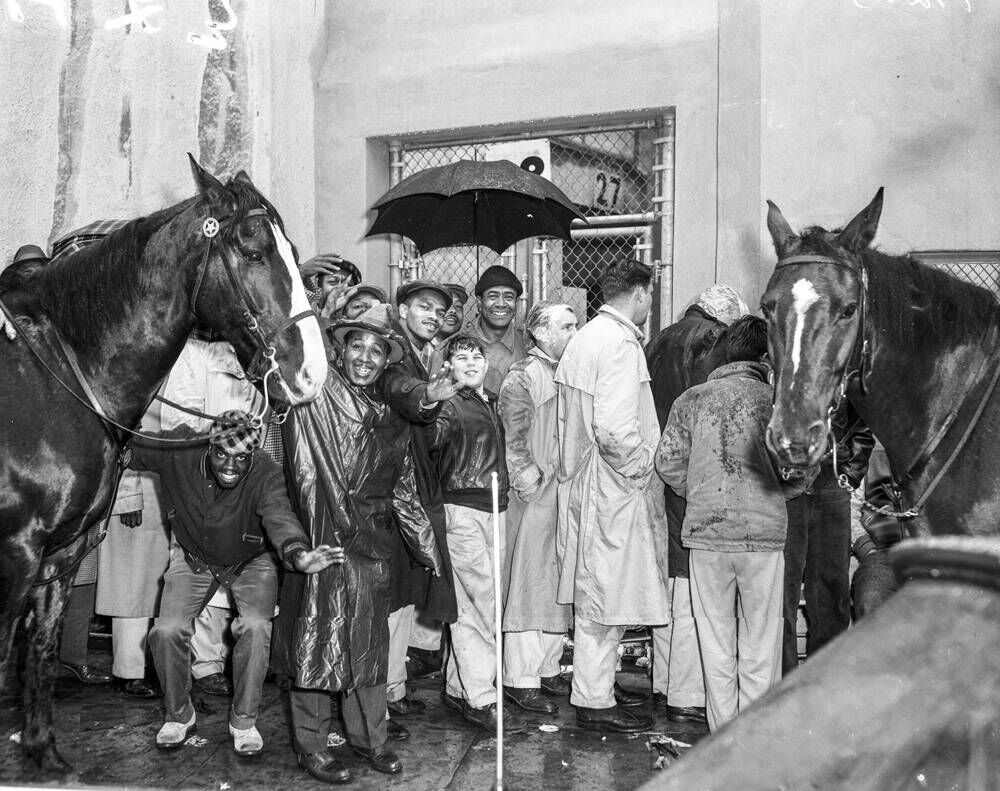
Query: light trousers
{"type": "Point", "coordinates": [426, 633]}
{"type": "Point", "coordinates": [472, 666]}
{"type": "Point", "coordinates": [400, 625]}
{"type": "Point", "coordinates": [595, 657]}
{"type": "Point", "coordinates": [737, 602]}
{"type": "Point", "coordinates": [128, 646]}
{"type": "Point", "coordinates": [677, 671]}
{"type": "Point", "coordinates": [530, 656]}
{"type": "Point", "coordinates": [209, 645]}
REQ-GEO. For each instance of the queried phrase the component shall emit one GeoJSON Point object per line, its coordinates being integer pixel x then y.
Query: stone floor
{"type": "Point", "coordinates": [109, 740]}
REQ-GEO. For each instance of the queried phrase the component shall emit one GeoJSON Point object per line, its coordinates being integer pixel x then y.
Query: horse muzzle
{"type": "Point", "coordinates": [796, 452]}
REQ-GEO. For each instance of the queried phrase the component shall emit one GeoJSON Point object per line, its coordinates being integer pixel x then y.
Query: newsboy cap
{"type": "Point", "coordinates": [29, 252]}
{"type": "Point", "coordinates": [413, 286]}
{"type": "Point", "coordinates": [497, 275]}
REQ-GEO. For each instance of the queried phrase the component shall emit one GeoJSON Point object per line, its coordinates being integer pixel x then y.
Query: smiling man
{"type": "Point", "coordinates": [497, 291]}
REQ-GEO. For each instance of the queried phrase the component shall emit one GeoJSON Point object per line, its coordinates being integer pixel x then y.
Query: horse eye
{"type": "Point", "coordinates": [254, 257]}
{"type": "Point", "coordinates": [849, 310]}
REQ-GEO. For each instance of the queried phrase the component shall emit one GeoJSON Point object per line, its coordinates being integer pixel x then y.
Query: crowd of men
{"type": "Point", "coordinates": [633, 485]}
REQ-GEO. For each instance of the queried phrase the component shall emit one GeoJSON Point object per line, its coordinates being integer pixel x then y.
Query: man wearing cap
{"type": "Point", "coordinates": [355, 488]}
{"type": "Point", "coordinates": [415, 388]}
{"type": "Point", "coordinates": [360, 298]}
{"type": "Point", "coordinates": [327, 278]}
{"type": "Point", "coordinates": [497, 291]}
{"type": "Point", "coordinates": [28, 259]}
{"type": "Point", "coordinates": [455, 315]}
{"type": "Point", "coordinates": [232, 520]}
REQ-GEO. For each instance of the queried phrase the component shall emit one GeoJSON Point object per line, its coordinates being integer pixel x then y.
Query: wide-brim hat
{"type": "Point", "coordinates": [366, 288]}
{"type": "Point", "coordinates": [376, 321]}
{"type": "Point", "coordinates": [413, 286]}
{"type": "Point", "coordinates": [29, 252]}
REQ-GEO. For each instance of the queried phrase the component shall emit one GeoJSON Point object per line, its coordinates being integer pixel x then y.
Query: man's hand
{"type": "Point", "coordinates": [441, 387]}
{"type": "Point", "coordinates": [322, 264]}
{"type": "Point", "coordinates": [320, 558]}
{"type": "Point", "coordinates": [7, 327]}
{"type": "Point", "coordinates": [334, 303]}
{"type": "Point", "coordinates": [131, 519]}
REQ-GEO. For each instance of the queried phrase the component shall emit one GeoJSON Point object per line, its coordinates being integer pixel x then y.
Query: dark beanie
{"type": "Point", "coordinates": [498, 276]}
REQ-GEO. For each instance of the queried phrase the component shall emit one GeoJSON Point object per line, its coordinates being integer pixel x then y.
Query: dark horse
{"type": "Point", "coordinates": [119, 312]}
{"type": "Point", "coordinates": [916, 351]}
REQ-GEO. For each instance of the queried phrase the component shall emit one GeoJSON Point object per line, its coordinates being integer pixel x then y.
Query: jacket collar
{"type": "Point", "coordinates": [621, 318]}
{"type": "Point", "coordinates": [534, 351]}
{"type": "Point", "coordinates": [745, 369]}
{"type": "Point", "coordinates": [508, 339]}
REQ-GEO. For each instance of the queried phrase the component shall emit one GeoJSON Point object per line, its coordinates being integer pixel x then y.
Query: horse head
{"type": "Point", "coordinates": [249, 290]}
{"type": "Point", "coordinates": [815, 308]}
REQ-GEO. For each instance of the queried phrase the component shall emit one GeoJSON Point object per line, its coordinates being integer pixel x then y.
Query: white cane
{"type": "Point", "coordinates": [498, 641]}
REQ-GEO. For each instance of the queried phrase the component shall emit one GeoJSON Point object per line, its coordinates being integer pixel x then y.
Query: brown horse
{"type": "Point", "coordinates": [97, 331]}
{"type": "Point", "coordinates": [913, 348]}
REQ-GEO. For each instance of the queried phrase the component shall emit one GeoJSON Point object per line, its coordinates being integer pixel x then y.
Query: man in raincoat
{"type": "Point", "coordinates": [534, 623]}
{"type": "Point", "coordinates": [612, 538]}
{"type": "Point", "coordinates": [353, 482]}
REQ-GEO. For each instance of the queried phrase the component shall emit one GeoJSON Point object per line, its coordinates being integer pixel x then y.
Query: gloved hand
{"type": "Point", "coordinates": [131, 519]}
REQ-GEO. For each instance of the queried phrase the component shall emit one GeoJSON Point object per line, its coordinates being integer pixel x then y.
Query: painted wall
{"type": "Point", "coordinates": [97, 121]}
{"type": "Point", "coordinates": [873, 92]}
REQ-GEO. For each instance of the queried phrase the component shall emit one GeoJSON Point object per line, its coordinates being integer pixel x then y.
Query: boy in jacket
{"type": "Point", "coordinates": [712, 453]}
{"type": "Point", "coordinates": [469, 438]}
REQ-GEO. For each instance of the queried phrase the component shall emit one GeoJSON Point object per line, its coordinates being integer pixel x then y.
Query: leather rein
{"type": "Point", "coordinates": [862, 368]}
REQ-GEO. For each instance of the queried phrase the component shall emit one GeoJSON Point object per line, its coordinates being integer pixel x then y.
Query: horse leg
{"type": "Point", "coordinates": [43, 626]}
{"type": "Point", "coordinates": [873, 582]}
{"type": "Point", "coordinates": [18, 568]}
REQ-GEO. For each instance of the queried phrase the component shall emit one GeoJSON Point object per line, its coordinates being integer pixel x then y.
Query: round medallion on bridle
{"type": "Point", "coordinates": [210, 227]}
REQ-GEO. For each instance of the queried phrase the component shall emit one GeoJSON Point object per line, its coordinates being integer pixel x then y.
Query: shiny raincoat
{"type": "Point", "coordinates": [352, 478]}
{"type": "Point", "coordinates": [528, 409]}
{"type": "Point", "coordinates": [612, 534]}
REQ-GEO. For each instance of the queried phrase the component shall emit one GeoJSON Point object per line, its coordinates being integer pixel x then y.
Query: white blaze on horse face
{"type": "Point", "coordinates": [804, 296]}
{"type": "Point", "coordinates": [312, 374]}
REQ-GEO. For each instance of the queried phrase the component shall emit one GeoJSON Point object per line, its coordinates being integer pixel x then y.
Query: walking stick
{"type": "Point", "coordinates": [498, 641]}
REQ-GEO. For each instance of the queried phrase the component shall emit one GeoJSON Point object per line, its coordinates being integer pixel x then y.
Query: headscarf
{"type": "Point", "coordinates": [237, 434]}
{"type": "Point", "coordinates": [723, 303]}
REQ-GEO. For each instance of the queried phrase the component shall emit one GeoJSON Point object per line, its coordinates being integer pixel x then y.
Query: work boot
{"type": "Point", "coordinates": [558, 686]}
{"type": "Point", "coordinates": [628, 698]}
{"type": "Point", "coordinates": [613, 719]}
{"type": "Point", "coordinates": [325, 768]}
{"type": "Point", "coordinates": [486, 718]}
{"type": "Point", "coordinates": [381, 760]}
{"type": "Point", "coordinates": [215, 684]}
{"type": "Point", "coordinates": [530, 700]}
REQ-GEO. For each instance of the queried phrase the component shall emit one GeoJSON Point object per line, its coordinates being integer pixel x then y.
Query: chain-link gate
{"type": "Point", "coordinates": [620, 178]}
{"type": "Point", "coordinates": [980, 267]}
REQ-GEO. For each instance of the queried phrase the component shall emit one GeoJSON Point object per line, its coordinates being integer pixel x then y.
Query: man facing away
{"type": "Point", "coordinates": [612, 542]}
{"type": "Point", "coordinates": [534, 623]}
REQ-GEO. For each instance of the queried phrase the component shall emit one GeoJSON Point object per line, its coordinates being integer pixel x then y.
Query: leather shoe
{"type": "Point", "coordinates": [137, 688]}
{"type": "Point", "coordinates": [628, 698]}
{"type": "Point", "coordinates": [215, 684]}
{"type": "Point", "coordinates": [486, 718]}
{"type": "Point", "coordinates": [406, 706]}
{"type": "Point", "coordinates": [557, 686]}
{"type": "Point", "coordinates": [325, 768]}
{"type": "Point", "coordinates": [530, 700]}
{"type": "Point", "coordinates": [381, 759]}
{"type": "Point", "coordinates": [659, 699]}
{"type": "Point", "coordinates": [395, 731]}
{"type": "Point", "coordinates": [453, 702]}
{"type": "Point", "coordinates": [86, 674]}
{"type": "Point", "coordinates": [695, 714]}
{"type": "Point", "coordinates": [421, 663]}
{"type": "Point", "coordinates": [173, 734]}
{"type": "Point", "coordinates": [612, 719]}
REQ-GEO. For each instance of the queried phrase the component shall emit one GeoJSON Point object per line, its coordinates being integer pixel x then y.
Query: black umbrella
{"type": "Point", "coordinates": [492, 204]}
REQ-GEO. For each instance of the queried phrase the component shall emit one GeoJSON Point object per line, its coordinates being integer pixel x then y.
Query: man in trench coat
{"type": "Point", "coordinates": [534, 623]}
{"type": "Point", "coordinates": [612, 536]}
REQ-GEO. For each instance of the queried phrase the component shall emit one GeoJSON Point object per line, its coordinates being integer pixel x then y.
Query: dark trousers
{"type": "Point", "coordinates": [363, 711]}
{"type": "Point", "coordinates": [76, 624]}
{"type": "Point", "coordinates": [818, 552]}
{"type": "Point", "coordinates": [255, 591]}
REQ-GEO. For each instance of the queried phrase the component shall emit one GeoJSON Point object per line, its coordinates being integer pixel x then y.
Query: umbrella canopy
{"type": "Point", "coordinates": [492, 204]}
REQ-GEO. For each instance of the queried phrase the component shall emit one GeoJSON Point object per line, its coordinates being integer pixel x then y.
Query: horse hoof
{"type": "Point", "coordinates": [48, 759]}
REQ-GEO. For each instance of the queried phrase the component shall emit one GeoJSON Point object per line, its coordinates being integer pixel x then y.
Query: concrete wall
{"type": "Point", "coordinates": [863, 93]}
{"type": "Point", "coordinates": [97, 122]}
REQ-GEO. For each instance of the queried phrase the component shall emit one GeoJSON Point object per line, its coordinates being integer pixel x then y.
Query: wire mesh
{"type": "Point", "coordinates": [608, 174]}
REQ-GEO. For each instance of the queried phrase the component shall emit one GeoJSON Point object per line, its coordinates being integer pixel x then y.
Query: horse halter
{"type": "Point", "coordinates": [861, 351]}
{"type": "Point", "coordinates": [263, 364]}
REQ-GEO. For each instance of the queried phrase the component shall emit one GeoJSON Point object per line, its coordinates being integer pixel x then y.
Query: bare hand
{"type": "Point", "coordinates": [322, 264]}
{"type": "Point", "coordinates": [7, 327]}
{"type": "Point", "coordinates": [131, 519]}
{"type": "Point", "coordinates": [318, 559]}
{"type": "Point", "coordinates": [334, 302]}
{"type": "Point", "coordinates": [441, 387]}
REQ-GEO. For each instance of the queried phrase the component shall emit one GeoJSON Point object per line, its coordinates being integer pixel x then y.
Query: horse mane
{"type": "Point", "coordinates": [920, 305]}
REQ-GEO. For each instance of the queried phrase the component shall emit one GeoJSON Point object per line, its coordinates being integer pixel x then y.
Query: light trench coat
{"type": "Point", "coordinates": [612, 532]}
{"type": "Point", "coordinates": [531, 573]}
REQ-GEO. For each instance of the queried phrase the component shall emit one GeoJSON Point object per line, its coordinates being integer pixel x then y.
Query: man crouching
{"type": "Point", "coordinates": [230, 517]}
{"type": "Point", "coordinates": [353, 479]}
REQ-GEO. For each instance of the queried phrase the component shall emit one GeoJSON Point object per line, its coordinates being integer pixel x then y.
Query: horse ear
{"type": "Point", "coordinates": [211, 189]}
{"type": "Point", "coordinates": [861, 230]}
{"type": "Point", "coordinates": [781, 232]}
{"type": "Point", "coordinates": [243, 178]}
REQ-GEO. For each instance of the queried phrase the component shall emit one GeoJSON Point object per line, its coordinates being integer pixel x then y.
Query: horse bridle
{"type": "Point", "coordinates": [862, 352]}
{"type": "Point", "coordinates": [264, 353]}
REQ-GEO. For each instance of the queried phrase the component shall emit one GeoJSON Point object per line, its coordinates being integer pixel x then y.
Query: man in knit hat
{"type": "Point", "coordinates": [497, 291]}
{"type": "Point", "coordinates": [230, 515]}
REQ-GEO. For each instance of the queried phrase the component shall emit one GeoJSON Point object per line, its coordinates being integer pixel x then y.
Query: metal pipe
{"type": "Point", "coordinates": [395, 241]}
{"type": "Point", "coordinates": [664, 199]}
{"type": "Point", "coordinates": [545, 270]}
{"type": "Point", "coordinates": [604, 233]}
{"type": "Point", "coordinates": [616, 219]}
{"type": "Point", "coordinates": [537, 264]}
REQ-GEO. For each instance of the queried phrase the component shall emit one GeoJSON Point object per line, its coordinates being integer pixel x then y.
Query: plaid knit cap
{"type": "Point", "coordinates": [238, 436]}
